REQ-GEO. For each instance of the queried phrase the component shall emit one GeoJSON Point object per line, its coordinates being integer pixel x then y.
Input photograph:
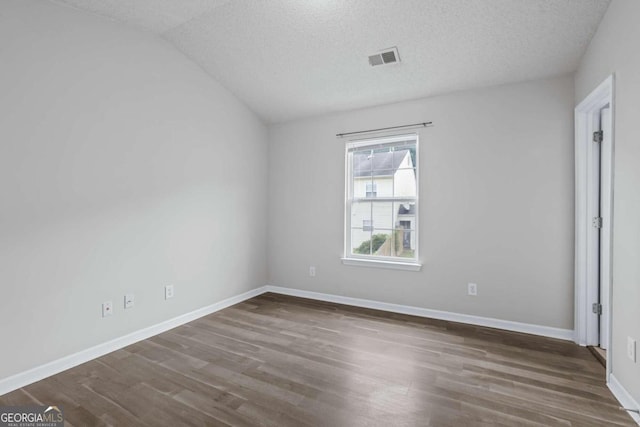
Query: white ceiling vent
{"type": "Point", "coordinates": [387, 56]}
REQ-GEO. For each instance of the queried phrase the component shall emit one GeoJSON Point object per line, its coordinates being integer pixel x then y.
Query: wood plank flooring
{"type": "Point", "coordinates": [283, 361]}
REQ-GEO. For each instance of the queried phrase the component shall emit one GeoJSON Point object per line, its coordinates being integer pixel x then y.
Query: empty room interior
{"type": "Point", "coordinates": [319, 212]}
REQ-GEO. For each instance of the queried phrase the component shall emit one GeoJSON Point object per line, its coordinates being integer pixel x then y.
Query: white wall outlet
{"type": "Point", "coordinates": [631, 349]}
{"type": "Point", "coordinates": [168, 291]}
{"type": "Point", "coordinates": [107, 308]}
{"type": "Point", "coordinates": [129, 300]}
{"type": "Point", "coordinates": [312, 271]}
{"type": "Point", "coordinates": [472, 289]}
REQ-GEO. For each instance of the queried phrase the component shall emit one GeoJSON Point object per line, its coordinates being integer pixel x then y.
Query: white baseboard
{"type": "Point", "coordinates": [40, 372]}
{"type": "Point", "coordinates": [623, 396]}
{"type": "Point", "coordinates": [546, 331]}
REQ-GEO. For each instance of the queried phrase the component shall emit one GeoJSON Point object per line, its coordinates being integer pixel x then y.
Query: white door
{"type": "Point", "coordinates": [605, 232]}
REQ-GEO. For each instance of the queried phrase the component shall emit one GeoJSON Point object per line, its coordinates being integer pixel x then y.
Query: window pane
{"type": "Point", "coordinates": [383, 161]}
{"type": "Point", "coordinates": [405, 243]}
{"type": "Point", "coordinates": [362, 185]}
{"type": "Point", "coordinates": [365, 243]}
{"type": "Point", "coordinates": [405, 183]}
{"type": "Point", "coordinates": [360, 242]}
{"type": "Point", "coordinates": [362, 164]}
{"type": "Point", "coordinates": [383, 168]}
{"type": "Point", "coordinates": [382, 215]}
{"type": "Point", "coordinates": [405, 213]}
{"type": "Point", "coordinates": [360, 211]}
{"type": "Point", "coordinates": [403, 157]}
{"type": "Point", "coordinates": [398, 242]}
{"type": "Point", "coordinates": [383, 181]}
{"type": "Point", "coordinates": [380, 242]}
{"type": "Point", "coordinates": [372, 174]}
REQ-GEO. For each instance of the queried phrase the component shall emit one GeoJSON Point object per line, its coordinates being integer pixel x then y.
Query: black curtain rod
{"type": "Point", "coordinates": [423, 124]}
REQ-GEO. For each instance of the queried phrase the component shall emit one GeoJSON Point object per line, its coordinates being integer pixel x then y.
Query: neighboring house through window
{"type": "Point", "coordinates": [381, 213]}
{"type": "Point", "coordinates": [371, 189]}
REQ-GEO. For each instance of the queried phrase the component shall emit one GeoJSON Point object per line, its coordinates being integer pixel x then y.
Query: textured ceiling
{"type": "Point", "coordinates": [288, 59]}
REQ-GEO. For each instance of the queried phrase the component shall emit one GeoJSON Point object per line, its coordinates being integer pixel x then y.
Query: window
{"type": "Point", "coordinates": [371, 189]}
{"type": "Point", "coordinates": [381, 220]}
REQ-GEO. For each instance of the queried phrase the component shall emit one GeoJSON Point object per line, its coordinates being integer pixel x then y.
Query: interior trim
{"type": "Point", "coordinates": [38, 373]}
{"type": "Point", "coordinates": [624, 397]}
{"type": "Point", "coordinates": [545, 331]}
{"type": "Point", "coordinates": [409, 266]}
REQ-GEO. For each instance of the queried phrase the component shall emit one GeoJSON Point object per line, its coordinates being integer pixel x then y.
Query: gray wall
{"type": "Point", "coordinates": [123, 167]}
{"type": "Point", "coordinates": [614, 49]}
{"type": "Point", "coordinates": [496, 194]}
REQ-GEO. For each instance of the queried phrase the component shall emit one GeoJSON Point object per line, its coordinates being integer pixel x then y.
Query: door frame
{"type": "Point", "coordinates": [587, 120]}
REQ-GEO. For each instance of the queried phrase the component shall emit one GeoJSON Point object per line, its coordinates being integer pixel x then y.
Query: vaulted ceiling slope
{"type": "Point", "coordinates": [288, 59]}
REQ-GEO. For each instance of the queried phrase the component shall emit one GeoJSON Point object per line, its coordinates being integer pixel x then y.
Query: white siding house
{"type": "Point", "coordinates": [378, 176]}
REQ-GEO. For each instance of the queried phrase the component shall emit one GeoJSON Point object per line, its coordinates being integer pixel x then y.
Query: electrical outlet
{"type": "Point", "coordinates": [312, 271]}
{"type": "Point", "coordinates": [473, 289]}
{"type": "Point", "coordinates": [631, 349]}
{"type": "Point", "coordinates": [168, 291]}
{"type": "Point", "coordinates": [107, 308]}
{"type": "Point", "coordinates": [129, 300]}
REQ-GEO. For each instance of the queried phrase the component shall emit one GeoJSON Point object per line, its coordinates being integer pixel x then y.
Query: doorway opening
{"type": "Point", "coordinates": [594, 203]}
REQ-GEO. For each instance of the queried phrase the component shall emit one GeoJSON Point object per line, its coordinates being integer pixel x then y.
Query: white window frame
{"type": "Point", "coordinates": [411, 264]}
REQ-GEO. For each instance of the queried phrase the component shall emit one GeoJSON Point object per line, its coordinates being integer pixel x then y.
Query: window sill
{"type": "Point", "coordinates": [376, 263]}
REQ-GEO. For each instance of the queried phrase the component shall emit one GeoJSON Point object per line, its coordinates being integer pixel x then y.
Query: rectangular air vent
{"type": "Point", "coordinates": [387, 56]}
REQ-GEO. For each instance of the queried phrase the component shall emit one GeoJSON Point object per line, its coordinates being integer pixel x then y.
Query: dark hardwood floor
{"type": "Point", "coordinates": [284, 361]}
